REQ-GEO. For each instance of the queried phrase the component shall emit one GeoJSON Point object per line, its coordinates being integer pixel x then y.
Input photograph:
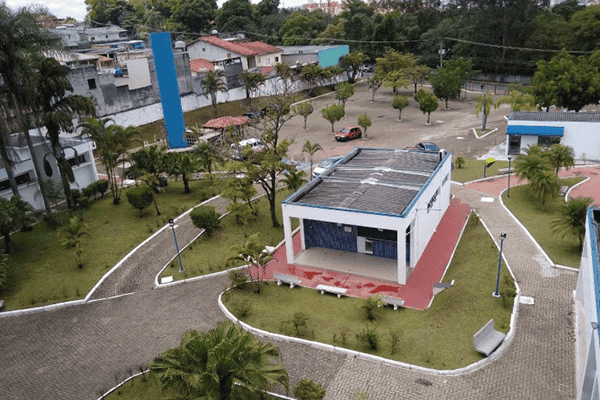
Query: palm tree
{"type": "Point", "coordinates": [221, 364]}
{"type": "Point", "coordinates": [561, 156]}
{"type": "Point", "coordinates": [74, 231]}
{"type": "Point", "coordinates": [112, 142]}
{"type": "Point", "coordinates": [571, 220]}
{"type": "Point", "coordinates": [21, 46]}
{"type": "Point", "coordinates": [252, 81]}
{"type": "Point", "coordinates": [526, 166]}
{"type": "Point", "coordinates": [57, 110]}
{"type": "Point", "coordinates": [213, 84]}
{"type": "Point", "coordinates": [484, 104]}
{"type": "Point", "coordinates": [253, 253]}
{"type": "Point", "coordinates": [543, 184]}
{"type": "Point", "coordinates": [294, 179]}
{"type": "Point", "coordinates": [311, 149]}
{"type": "Point", "coordinates": [184, 164]}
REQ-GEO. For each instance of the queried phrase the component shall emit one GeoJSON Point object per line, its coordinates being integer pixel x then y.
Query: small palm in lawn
{"type": "Point", "coordinates": [544, 184]}
{"type": "Point", "coordinates": [484, 105]}
{"type": "Point", "coordinates": [526, 166]}
{"type": "Point", "coordinates": [73, 232]}
{"type": "Point", "coordinates": [561, 156]}
{"type": "Point", "coordinates": [571, 220]}
{"type": "Point", "coordinates": [221, 364]}
{"type": "Point", "coordinates": [213, 84]}
{"type": "Point", "coordinates": [294, 179]}
{"type": "Point", "coordinates": [399, 103]}
{"type": "Point", "coordinates": [311, 149]}
{"type": "Point", "coordinates": [364, 122]}
{"type": "Point", "coordinates": [254, 254]}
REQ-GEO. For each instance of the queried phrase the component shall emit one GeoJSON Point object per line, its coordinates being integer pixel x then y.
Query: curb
{"type": "Point", "coordinates": [481, 137]}
{"type": "Point", "coordinates": [570, 269]}
{"type": "Point", "coordinates": [587, 178]}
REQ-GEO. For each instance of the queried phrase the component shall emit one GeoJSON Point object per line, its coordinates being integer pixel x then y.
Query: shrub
{"type": "Point", "coordinates": [460, 161]}
{"type": "Point", "coordinates": [102, 186]}
{"type": "Point", "coordinates": [3, 272]}
{"type": "Point", "coordinates": [205, 217]}
{"type": "Point", "coordinates": [371, 307]}
{"type": "Point", "coordinates": [241, 308]}
{"type": "Point", "coordinates": [237, 277]}
{"type": "Point", "coordinates": [369, 337]}
{"type": "Point", "coordinates": [75, 194]}
{"type": "Point", "coordinates": [300, 321]}
{"type": "Point", "coordinates": [307, 389]}
{"type": "Point", "coordinates": [90, 190]}
{"type": "Point", "coordinates": [140, 197]}
{"type": "Point", "coordinates": [394, 340]}
{"type": "Point", "coordinates": [82, 202]}
{"type": "Point", "coordinates": [344, 332]}
{"type": "Point", "coordinates": [52, 220]}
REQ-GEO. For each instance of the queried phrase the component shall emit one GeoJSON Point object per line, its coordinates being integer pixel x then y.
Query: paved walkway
{"type": "Point", "coordinates": [72, 353]}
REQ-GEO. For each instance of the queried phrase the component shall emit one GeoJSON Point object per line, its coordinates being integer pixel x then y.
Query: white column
{"type": "Point", "coordinates": [289, 245]}
{"type": "Point", "coordinates": [401, 256]}
{"type": "Point", "coordinates": [302, 242]}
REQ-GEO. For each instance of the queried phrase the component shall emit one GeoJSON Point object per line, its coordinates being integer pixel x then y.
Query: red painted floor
{"type": "Point", "coordinates": [417, 292]}
{"type": "Point", "coordinates": [590, 188]}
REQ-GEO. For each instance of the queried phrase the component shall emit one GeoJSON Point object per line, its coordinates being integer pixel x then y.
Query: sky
{"type": "Point", "coordinates": [76, 8]}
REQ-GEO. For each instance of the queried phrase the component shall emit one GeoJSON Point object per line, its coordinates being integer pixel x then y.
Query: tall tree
{"type": "Point", "coordinates": [310, 149]}
{"type": "Point", "coordinates": [221, 364]}
{"type": "Point", "coordinates": [304, 109]}
{"type": "Point", "coordinates": [12, 217]}
{"type": "Point", "coordinates": [571, 219]}
{"type": "Point", "coordinates": [235, 15]}
{"type": "Point", "coordinates": [184, 164]}
{"type": "Point", "coordinates": [484, 106]}
{"type": "Point", "coordinates": [400, 103]}
{"type": "Point", "coordinates": [518, 101]}
{"type": "Point", "coordinates": [428, 102]}
{"type": "Point", "coordinates": [364, 122]}
{"type": "Point", "coordinates": [213, 84]}
{"type": "Point", "coordinates": [374, 84]}
{"type": "Point", "coordinates": [351, 63]}
{"type": "Point", "coordinates": [57, 109]}
{"type": "Point", "coordinates": [194, 16]}
{"type": "Point", "coordinates": [252, 81]}
{"type": "Point", "coordinates": [333, 113]}
{"type": "Point", "coordinates": [346, 90]}
{"type": "Point", "coordinates": [561, 156]}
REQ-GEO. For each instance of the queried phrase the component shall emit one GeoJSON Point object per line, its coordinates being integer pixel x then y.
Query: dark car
{"type": "Point", "coordinates": [348, 133]}
{"type": "Point", "coordinates": [425, 147]}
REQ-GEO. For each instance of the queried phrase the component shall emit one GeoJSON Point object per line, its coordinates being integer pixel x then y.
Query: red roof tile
{"type": "Point", "coordinates": [224, 122]}
{"type": "Point", "coordinates": [261, 48]}
{"type": "Point", "coordinates": [266, 70]}
{"type": "Point", "coordinates": [199, 63]}
{"type": "Point", "coordinates": [231, 46]}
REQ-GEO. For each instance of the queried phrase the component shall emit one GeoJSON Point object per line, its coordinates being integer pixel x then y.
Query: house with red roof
{"type": "Point", "coordinates": [200, 65]}
{"type": "Point", "coordinates": [252, 54]}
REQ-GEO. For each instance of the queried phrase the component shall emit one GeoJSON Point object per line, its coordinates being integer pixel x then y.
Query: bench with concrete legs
{"type": "Point", "coordinates": [487, 338]}
{"type": "Point", "coordinates": [392, 301]}
{"type": "Point", "coordinates": [289, 279]}
{"type": "Point", "coordinates": [563, 190]}
{"type": "Point", "coordinates": [504, 171]}
{"type": "Point", "coordinates": [332, 289]}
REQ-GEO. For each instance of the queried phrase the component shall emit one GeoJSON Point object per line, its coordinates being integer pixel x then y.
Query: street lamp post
{"type": "Point", "coordinates": [172, 225]}
{"type": "Point", "coordinates": [509, 159]}
{"type": "Point", "coordinates": [496, 294]}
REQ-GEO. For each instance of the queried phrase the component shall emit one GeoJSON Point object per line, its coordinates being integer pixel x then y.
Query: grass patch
{"type": "Point", "coordinates": [479, 132]}
{"type": "Point", "coordinates": [40, 273]}
{"type": "Point", "coordinates": [209, 254]}
{"type": "Point", "coordinates": [564, 251]}
{"type": "Point", "coordinates": [473, 169]}
{"type": "Point", "coordinates": [440, 337]}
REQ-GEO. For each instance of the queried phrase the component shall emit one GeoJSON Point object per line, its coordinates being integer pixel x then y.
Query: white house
{"type": "Point", "coordinates": [381, 202]}
{"type": "Point", "coordinates": [252, 54]}
{"type": "Point", "coordinates": [587, 307]}
{"type": "Point", "coordinates": [78, 151]}
{"type": "Point", "coordinates": [581, 131]}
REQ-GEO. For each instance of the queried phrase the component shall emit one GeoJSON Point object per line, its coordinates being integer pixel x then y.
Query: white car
{"type": "Point", "coordinates": [237, 150]}
{"type": "Point", "coordinates": [325, 165]}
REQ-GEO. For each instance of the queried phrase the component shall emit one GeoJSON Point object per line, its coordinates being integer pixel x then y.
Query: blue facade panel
{"type": "Point", "coordinates": [329, 57]}
{"type": "Point", "coordinates": [329, 235]}
{"type": "Point", "coordinates": [385, 249]}
{"type": "Point", "coordinates": [535, 130]}
{"type": "Point", "coordinates": [166, 74]}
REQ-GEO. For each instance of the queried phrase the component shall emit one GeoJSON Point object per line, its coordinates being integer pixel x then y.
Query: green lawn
{"type": "Point", "coordinates": [473, 169]}
{"type": "Point", "coordinates": [440, 337]}
{"type": "Point", "coordinates": [39, 272]}
{"type": "Point", "coordinates": [564, 251]}
{"type": "Point", "coordinates": [207, 255]}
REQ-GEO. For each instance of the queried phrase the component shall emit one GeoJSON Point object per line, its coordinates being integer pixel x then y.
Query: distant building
{"type": "Point", "coordinates": [83, 37]}
{"type": "Point", "coordinates": [325, 56]}
{"type": "Point", "coordinates": [581, 131]}
{"type": "Point", "coordinates": [328, 7]}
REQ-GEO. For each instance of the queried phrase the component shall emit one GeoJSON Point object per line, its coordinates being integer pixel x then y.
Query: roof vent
{"type": "Point", "coordinates": [180, 44]}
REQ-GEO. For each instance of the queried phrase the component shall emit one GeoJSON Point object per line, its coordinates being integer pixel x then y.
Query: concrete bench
{"type": "Point", "coordinates": [289, 279]}
{"type": "Point", "coordinates": [332, 289]}
{"type": "Point", "coordinates": [504, 171]}
{"type": "Point", "coordinates": [439, 287]}
{"type": "Point", "coordinates": [563, 190]}
{"type": "Point", "coordinates": [487, 338]}
{"type": "Point", "coordinates": [392, 301]}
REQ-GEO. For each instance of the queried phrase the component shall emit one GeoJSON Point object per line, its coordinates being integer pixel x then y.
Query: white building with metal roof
{"type": "Point", "coordinates": [384, 203]}
{"type": "Point", "coordinates": [580, 131]}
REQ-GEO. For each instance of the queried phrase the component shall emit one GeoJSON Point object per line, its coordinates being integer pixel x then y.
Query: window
{"type": "Point", "coordinates": [259, 59]}
{"type": "Point", "coordinates": [276, 59]}
{"type": "Point", "coordinates": [547, 141]}
{"type": "Point", "coordinates": [107, 36]}
{"type": "Point", "coordinates": [92, 83]}
{"type": "Point", "coordinates": [204, 49]}
{"type": "Point", "coordinates": [432, 200]}
{"type": "Point", "coordinates": [80, 160]}
{"type": "Point", "coordinates": [445, 179]}
{"type": "Point", "coordinates": [228, 55]}
{"type": "Point", "coordinates": [21, 179]}
{"type": "Point", "coordinates": [368, 246]}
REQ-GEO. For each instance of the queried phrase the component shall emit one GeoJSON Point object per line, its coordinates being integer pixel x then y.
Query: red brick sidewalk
{"type": "Point", "coordinates": [417, 292]}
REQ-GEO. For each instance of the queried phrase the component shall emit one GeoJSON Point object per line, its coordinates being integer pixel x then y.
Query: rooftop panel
{"type": "Point", "coordinates": [554, 116]}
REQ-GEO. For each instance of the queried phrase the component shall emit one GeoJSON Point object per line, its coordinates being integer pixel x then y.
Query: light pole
{"type": "Point", "coordinates": [172, 225]}
{"type": "Point", "coordinates": [508, 194]}
{"type": "Point", "coordinates": [496, 294]}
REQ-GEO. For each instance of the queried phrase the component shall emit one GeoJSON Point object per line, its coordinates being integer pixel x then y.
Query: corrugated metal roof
{"type": "Point", "coordinates": [373, 180]}
{"type": "Point", "coordinates": [554, 116]}
{"type": "Point", "coordinates": [535, 130]}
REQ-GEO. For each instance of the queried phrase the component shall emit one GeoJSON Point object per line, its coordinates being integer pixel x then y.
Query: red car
{"type": "Point", "coordinates": [348, 133]}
